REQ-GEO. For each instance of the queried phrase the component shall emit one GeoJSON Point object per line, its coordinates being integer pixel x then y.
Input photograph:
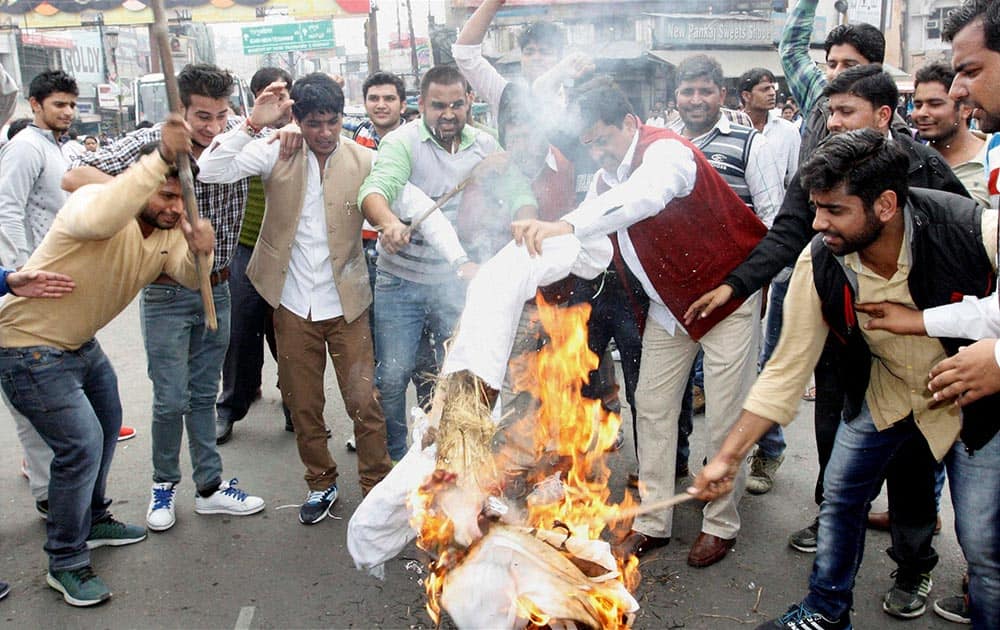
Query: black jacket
{"type": "Point", "coordinates": [792, 228]}
{"type": "Point", "coordinates": [948, 260]}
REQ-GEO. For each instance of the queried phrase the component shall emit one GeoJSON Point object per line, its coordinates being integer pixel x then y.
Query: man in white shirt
{"type": "Point", "coordinates": [673, 213]}
{"type": "Point", "coordinates": [758, 93]}
{"type": "Point", "coordinates": [309, 265]}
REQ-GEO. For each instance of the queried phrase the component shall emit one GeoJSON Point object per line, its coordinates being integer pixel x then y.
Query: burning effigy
{"type": "Point", "coordinates": [500, 559]}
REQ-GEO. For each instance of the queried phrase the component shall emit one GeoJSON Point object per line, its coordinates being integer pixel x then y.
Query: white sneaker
{"type": "Point", "coordinates": [160, 516]}
{"type": "Point", "coordinates": [352, 444]}
{"type": "Point", "coordinates": [228, 499]}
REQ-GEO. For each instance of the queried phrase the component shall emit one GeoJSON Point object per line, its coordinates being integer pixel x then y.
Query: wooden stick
{"type": "Point", "coordinates": [440, 202]}
{"type": "Point", "coordinates": [183, 159]}
{"type": "Point", "coordinates": [677, 499]}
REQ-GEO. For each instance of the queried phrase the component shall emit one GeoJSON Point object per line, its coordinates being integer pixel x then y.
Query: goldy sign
{"type": "Point", "coordinates": [84, 61]}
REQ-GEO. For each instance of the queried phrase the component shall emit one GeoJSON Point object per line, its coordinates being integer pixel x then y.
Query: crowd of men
{"type": "Point", "coordinates": [872, 244]}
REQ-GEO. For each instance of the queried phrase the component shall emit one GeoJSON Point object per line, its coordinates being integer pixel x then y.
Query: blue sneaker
{"type": "Point", "coordinates": [80, 587]}
{"type": "Point", "coordinates": [317, 505]}
{"type": "Point", "coordinates": [799, 617]}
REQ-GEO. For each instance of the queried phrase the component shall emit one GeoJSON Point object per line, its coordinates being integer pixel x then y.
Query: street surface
{"type": "Point", "coordinates": [268, 571]}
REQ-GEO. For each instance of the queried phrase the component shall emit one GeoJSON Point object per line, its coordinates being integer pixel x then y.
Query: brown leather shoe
{"type": "Point", "coordinates": [708, 549]}
{"type": "Point", "coordinates": [637, 544]}
{"type": "Point", "coordinates": [880, 521]}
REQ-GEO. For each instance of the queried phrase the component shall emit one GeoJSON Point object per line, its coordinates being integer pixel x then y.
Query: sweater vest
{"type": "Point", "coordinates": [695, 241]}
{"type": "Point", "coordinates": [728, 155]}
{"type": "Point", "coordinates": [948, 262]}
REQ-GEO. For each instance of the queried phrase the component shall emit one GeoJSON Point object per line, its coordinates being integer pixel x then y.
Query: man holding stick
{"type": "Point", "coordinates": [416, 286]}
{"type": "Point", "coordinates": [184, 359]}
{"type": "Point", "coordinates": [113, 239]}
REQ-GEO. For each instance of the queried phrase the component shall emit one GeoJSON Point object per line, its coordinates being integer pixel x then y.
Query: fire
{"type": "Point", "coordinates": [578, 433]}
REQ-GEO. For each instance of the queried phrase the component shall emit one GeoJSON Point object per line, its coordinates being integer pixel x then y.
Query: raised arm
{"type": "Point", "coordinates": [468, 53]}
{"type": "Point", "coordinates": [805, 80]}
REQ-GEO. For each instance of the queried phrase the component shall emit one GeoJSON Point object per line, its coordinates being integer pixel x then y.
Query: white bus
{"type": "Point", "coordinates": [149, 93]}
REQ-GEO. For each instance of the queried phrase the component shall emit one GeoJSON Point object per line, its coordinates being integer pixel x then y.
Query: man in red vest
{"type": "Point", "coordinates": [676, 225]}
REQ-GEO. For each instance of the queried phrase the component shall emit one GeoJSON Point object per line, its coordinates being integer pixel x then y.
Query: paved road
{"type": "Point", "coordinates": [268, 571]}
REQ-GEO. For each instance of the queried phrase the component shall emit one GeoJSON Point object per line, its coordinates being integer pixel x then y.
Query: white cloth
{"type": "Point", "coordinates": [380, 528]}
{"type": "Point", "coordinates": [784, 140]}
{"type": "Point", "coordinates": [668, 171]}
{"type": "Point", "coordinates": [972, 318]}
{"type": "Point", "coordinates": [497, 295]}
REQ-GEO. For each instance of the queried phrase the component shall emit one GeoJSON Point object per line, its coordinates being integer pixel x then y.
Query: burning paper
{"type": "Point", "coordinates": [543, 562]}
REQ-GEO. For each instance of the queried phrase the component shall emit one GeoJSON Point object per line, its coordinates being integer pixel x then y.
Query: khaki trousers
{"type": "Point", "coordinates": [302, 349]}
{"type": "Point", "coordinates": [731, 350]}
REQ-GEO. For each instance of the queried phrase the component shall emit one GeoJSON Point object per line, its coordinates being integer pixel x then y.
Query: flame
{"type": "Point", "coordinates": [575, 431]}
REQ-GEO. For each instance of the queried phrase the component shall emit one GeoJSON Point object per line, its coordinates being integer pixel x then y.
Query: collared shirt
{"type": "Point", "coordinates": [805, 81]}
{"type": "Point", "coordinates": [222, 204]}
{"type": "Point", "coordinates": [972, 173]}
{"type": "Point", "coordinates": [309, 291]}
{"type": "Point", "coordinates": [900, 363]}
{"type": "Point", "coordinates": [31, 170]}
{"type": "Point", "coordinates": [763, 177]}
{"type": "Point", "coordinates": [410, 154]}
{"type": "Point", "coordinates": [367, 136]}
{"type": "Point", "coordinates": [668, 171]}
{"type": "Point", "coordinates": [784, 139]}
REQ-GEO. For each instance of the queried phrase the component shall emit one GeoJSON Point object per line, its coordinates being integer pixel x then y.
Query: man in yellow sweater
{"type": "Point", "coordinates": [112, 239]}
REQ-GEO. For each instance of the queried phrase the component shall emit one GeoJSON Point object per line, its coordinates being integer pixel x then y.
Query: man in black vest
{"type": "Point", "coordinates": [863, 97]}
{"type": "Point", "coordinates": [879, 241]}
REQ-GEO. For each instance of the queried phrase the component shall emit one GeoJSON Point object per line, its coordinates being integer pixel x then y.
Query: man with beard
{"type": "Point", "coordinates": [416, 286]}
{"type": "Point", "coordinates": [184, 358]}
{"type": "Point", "coordinates": [879, 240]}
{"type": "Point", "coordinates": [944, 124]}
{"type": "Point", "coordinates": [112, 239]}
{"type": "Point", "coordinates": [859, 98]}
{"type": "Point", "coordinates": [970, 378]}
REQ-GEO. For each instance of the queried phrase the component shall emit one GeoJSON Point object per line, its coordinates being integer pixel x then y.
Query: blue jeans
{"type": "Point", "coordinates": [975, 487]}
{"type": "Point", "coordinates": [772, 444]}
{"type": "Point", "coordinates": [250, 324]}
{"type": "Point", "coordinates": [185, 365]}
{"type": "Point", "coordinates": [71, 398]}
{"type": "Point", "coordinates": [858, 464]}
{"type": "Point", "coordinates": [404, 310]}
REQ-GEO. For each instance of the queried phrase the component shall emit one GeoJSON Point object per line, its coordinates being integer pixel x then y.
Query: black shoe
{"type": "Point", "coordinates": [317, 505]}
{"type": "Point", "coordinates": [4, 589]}
{"type": "Point", "coordinates": [42, 507]}
{"type": "Point", "coordinates": [223, 430]}
{"type": "Point", "coordinates": [799, 617]}
{"type": "Point", "coordinates": [907, 598]}
{"type": "Point", "coordinates": [804, 540]}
